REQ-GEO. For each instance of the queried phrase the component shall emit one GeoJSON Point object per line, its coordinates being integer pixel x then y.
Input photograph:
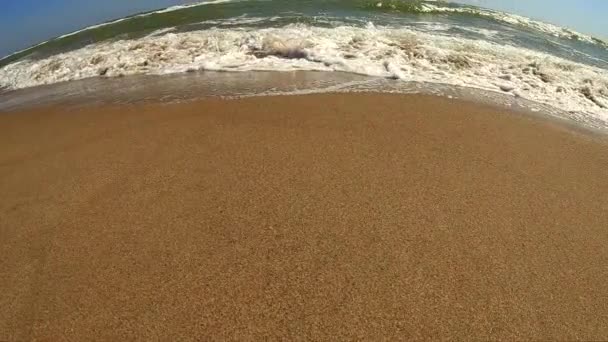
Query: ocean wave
{"type": "Point", "coordinates": [398, 53]}
{"type": "Point", "coordinates": [130, 25]}
{"type": "Point", "coordinates": [441, 7]}
{"type": "Point", "coordinates": [195, 4]}
{"type": "Point", "coordinates": [113, 22]}
{"type": "Point", "coordinates": [165, 10]}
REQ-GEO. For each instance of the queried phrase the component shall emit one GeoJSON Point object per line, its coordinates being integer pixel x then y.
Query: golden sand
{"type": "Point", "coordinates": [314, 217]}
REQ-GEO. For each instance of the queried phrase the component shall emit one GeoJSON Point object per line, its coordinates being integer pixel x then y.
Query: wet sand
{"type": "Point", "coordinates": [314, 217]}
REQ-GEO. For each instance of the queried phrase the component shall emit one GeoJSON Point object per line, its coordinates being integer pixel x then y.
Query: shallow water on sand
{"type": "Point", "coordinates": [174, 88]}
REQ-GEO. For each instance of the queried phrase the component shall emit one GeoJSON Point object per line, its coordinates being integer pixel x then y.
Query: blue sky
{"type": "Point", "coordinates": [27, 22]}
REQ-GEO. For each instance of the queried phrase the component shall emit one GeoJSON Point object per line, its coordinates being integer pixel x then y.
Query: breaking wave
{"type": "Point", "coordinates": [569, 72]}
{"type": "Point", "coordinates": [441, 7]}
{"type": "Point", "coordinates": [397, 53]}
{"type": "Point", "coordinates": [112, 22]}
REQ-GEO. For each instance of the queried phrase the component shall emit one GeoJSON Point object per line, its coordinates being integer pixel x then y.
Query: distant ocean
{"type": "Point", "coordinates": [400, 42]}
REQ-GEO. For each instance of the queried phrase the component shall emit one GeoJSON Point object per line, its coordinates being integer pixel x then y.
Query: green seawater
{"type": "Point", "coordinates": [399, 13]}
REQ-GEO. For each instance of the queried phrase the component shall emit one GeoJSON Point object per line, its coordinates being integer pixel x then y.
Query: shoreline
{"type": "Point", "coordinates": [326, 216]}
{"type": "Point", "coordinates": [200, 86]}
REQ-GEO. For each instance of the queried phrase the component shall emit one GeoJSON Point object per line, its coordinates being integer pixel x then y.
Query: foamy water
{"type": "Point", "coordinates": [422, 51]}
{"type": "Point", "coordinates": [401, 54]}
{"type": "Point", "coordinates": [514, 19]}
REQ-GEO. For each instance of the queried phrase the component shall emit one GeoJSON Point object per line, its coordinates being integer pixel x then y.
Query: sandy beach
{"type": "Point", "coordinates": [317, 217]}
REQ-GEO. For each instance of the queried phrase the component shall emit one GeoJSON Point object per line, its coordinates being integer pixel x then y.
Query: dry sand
{"type": "Point", "coordinates": [314, 217]}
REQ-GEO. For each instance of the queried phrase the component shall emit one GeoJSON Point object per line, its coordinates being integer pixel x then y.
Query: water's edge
{"type": "Point", "coordinates": [180, 88]}
{"type": "Point", "coordinates": [399, 45]}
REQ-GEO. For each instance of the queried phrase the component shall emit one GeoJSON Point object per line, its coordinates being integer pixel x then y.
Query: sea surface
{"type": "Point", "coordinates": [233, 47]}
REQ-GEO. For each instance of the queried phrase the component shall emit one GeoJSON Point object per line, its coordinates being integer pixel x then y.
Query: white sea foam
{"type": "Point", "coordinates": [165, 10]}
{"type": "Point", "coordinates": [512, 19]}
{"type": "Point", "coordinates": [399, 53]}
{"type": "Point", "coordinates": [196, 4]}
{"type": "Point", "coordinates": [242, 20]}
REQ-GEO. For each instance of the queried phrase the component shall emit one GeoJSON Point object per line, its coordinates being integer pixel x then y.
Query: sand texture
{"type": "Point", "coordinates": [321, 217]}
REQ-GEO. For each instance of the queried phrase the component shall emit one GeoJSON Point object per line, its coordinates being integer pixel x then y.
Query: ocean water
{"type": "Point", "coordinates": [394, 45]}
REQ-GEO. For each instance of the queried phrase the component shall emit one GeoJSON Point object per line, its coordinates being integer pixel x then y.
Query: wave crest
{"type": "Point", "coordinates": [444, 7]}
{"type": "Point", "coordinates": [398, 53]}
